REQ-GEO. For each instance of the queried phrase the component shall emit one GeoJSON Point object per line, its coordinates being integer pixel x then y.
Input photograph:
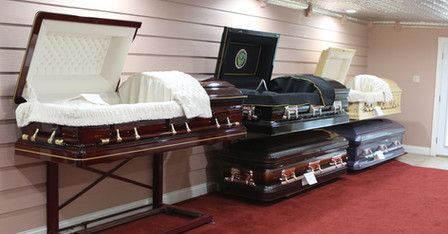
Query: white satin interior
{"type": "Point", "coordinates": [369, 88]}
{"type": "Point", "coordinates": [72, 58]}
{"type": "Point", "coordinates": [74, 73]}
{"type": "Point", "coordinates": [145, 96]}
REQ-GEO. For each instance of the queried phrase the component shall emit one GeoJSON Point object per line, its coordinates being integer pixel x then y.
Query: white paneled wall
{"type": "Point", "coordinates": [176, 35]}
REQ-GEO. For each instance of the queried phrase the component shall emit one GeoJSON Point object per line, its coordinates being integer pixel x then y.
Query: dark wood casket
{"type": "Point", "coordinates": [372, 141]}
{"type": "Point", "coordinates": [71, 110]}
{"type": "Point", "coordinates": [81, 145]}
{"type": "Point", "coordinates": [282, 104]}
{"type": "Point", "coordinates": [267, 169]}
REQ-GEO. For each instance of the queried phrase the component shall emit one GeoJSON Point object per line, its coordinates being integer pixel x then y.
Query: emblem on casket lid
{"type": "Point", "coordinates": [69, 54]}
{"type": "Point", "coordinates": [240, 58]}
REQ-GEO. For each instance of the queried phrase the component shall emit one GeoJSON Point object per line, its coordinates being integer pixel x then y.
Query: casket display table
{"type": "Point", "coordinates": [372, 141]}
{"type": "Point", "coordinates": [369, 96]}
{"type": "Point", "coordinates": [72, 110]}
{"type": "Point", "coordinates": [279, 105]}
{"type": "Point", "coordinates": [269, 169]}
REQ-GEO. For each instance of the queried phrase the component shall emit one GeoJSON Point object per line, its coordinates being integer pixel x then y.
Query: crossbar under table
{"type": "Point", "coordinates": [196, 219]}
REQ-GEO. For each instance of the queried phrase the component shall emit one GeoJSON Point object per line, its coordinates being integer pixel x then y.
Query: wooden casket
{"type": "Point", "coordinates": [79, 60]}
{"type": "Point", "coordinates": [267, 169]}
{"type": "Point", "coordinates": [372, 141]}
{"type": "Point", "coordinates": [363, 104]}
{"type": "Point", "coordinates": [282, 104]}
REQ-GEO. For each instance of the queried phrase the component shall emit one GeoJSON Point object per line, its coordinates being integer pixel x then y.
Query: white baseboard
{"type": "Point", "coordinates": [412, 149]}
{"type": "Point", "coordinates": [168, 198]}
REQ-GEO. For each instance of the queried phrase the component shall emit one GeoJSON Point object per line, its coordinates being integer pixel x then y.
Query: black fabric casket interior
{"type": "Point", "coordinates": [291, 90]}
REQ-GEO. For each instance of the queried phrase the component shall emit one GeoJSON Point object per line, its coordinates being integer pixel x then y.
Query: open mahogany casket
{"type": "Point", "coordinates": [68, 56]}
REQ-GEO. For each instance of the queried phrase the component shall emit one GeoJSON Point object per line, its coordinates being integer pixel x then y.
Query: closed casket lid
{"type": "Point", "coordinates": [246, 56]}
{"type": "Point", "coordinates": [334, 63]}
{"type": "Point", "coordinates": [369, 129]}
{"type": "Point", "coordinates": [68, 55]}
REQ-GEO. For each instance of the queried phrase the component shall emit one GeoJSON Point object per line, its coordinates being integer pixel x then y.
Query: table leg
{"type": "Point", "coordinates": [52, 198]}
{"type": "Point", "coordinates": [157, 178]}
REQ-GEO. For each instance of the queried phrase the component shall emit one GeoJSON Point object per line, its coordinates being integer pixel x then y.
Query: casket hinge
{"type": "Point", "coordinates": [119, 139]}
{"type": "Point", "coordinates": [244, 178]}
{"type": "Point", "coordinates": [136, 135]}
{"type": "Point", "coordinates": [50, 140]}
{"type": "Point", "coordinates": [33, 137]}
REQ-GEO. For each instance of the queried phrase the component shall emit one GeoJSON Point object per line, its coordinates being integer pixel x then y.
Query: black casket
{"type": "Point", "coordinates": [281, 105]}
{"type": "Point", "coordinates": [268, 169]}
{"type": "Point", "coordinates": [372, 141]}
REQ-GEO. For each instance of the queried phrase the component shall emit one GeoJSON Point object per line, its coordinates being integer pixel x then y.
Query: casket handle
{"type": "Point", "coordinates": [337, 160]}
{"type": "Point", "coordinates": [383, 147]}
{"type": "Point", "coordinates": [59, 141]}
{"type": "Point", "coordinates": [288, 175]}
{"type": "Point", "coordinates": [187, 127]}
{"type": "Point", "coordinates": [217, 123]}
{"type": "Point", "coordinates": [229, 124]}
{"type": "Point", "coordinates": [33, 137]}
{"type": "Point", "coordinates": [25, 137]}
{"type": "Point", "coordinates": [247, 177]}
{"type": "Point", "coordinates": [137, 136]}
{"type": "Point", "coordinates": [105, 141]}
{"type": "Point", "coordinates": [119, 139]}
{"type": "Point", "coordinates": [50, 140]}
{"type": "Point", "coordinates": [315, 166]}
{"type": "Point", "coordinates": [173, 130]}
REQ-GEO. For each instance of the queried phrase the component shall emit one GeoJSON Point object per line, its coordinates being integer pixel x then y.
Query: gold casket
{"type": "Point", "coordinates": [369, 96]}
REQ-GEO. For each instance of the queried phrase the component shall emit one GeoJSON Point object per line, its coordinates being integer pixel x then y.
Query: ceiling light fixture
{"type": "Point", "coordinates": [350, 11]}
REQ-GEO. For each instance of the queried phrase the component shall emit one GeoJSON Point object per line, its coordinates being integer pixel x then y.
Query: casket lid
{"type": "Point", "coordinates": [246, 57]}
{"type": "Point", "coordinates": [369, 129]}
{"type": "Point", "coordinates": [68, 55]}
{"type": "Point", "coordinates": [334, 63]}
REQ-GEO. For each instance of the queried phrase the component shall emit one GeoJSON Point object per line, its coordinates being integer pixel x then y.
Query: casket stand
{"type": "Point", "coordinates": [70, 56]}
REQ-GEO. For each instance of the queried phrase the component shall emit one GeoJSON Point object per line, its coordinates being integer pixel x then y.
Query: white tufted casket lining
{"type": "Point", "coordinates": [72, 58]}
{"type": "Point", "coordinates": [74, 72]}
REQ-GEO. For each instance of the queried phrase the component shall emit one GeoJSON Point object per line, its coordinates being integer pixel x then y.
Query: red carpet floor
{"type": "Point", "coordinates": [391, 198]}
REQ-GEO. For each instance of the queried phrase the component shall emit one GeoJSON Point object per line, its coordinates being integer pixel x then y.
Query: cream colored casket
{"type": "Point", "coordinates": [369, 96]}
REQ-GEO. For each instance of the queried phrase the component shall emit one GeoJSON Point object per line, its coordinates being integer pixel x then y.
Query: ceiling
{"type": "Point", "coordinates": [377, 11]}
